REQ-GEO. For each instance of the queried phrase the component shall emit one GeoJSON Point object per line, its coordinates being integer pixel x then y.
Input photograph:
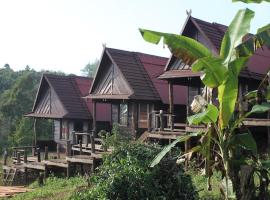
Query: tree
{"type": "Point", "coordinates": [222, 140]}
{"type": "Point", "coordinates": [90, 69]}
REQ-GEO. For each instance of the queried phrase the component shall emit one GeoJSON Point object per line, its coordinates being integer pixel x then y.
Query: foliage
{"type": "Point", "coordinates": [53, 189]}
{"type": "Point", "coordinates": [90, 69]}
{"type": "Point", "coordinates": [116, 138]}
{"type": "Point", "coordinates": [125, 175]}
{"type": "Point", "coordinates": [17, 94]}
{"type": "Point", "coordinates": [223, 141]}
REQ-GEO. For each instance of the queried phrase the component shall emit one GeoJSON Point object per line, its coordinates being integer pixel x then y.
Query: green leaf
{"type": "Point", "coordinates": [251, 95]}
{"type": "Point", "coordinates": [167, 148]}
{"type": "Point", "coordinates": [189, 50]}
{"type": "Point", "coordinates": [214, 71]}
{"type": "Point", "coordinates": [238, 64]}
{"type": "Point", "coordinates": [268, 93]}
{"type": "Point", "coordinates": [251, 1]}
{"type": "Point", "coordinates": [238, 28]}
{"type": "Point", "coordinates": [264, 107]}
{"type": "Point", "coordinates": [262, 38]}
{"type": "Point", "coordinates": [246, 141]}
{"type": "Point", "coordinates": [227, 96]}
{"type": "Point", "coordinates": [208, 116]}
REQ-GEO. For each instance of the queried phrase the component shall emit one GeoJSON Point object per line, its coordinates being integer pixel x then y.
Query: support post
{"type": "Point", "coordinates": [68, 148]}
{"type": "Point", "coordinates": [87, 140]}
{"type": "Point", "coordinates": [161, 117]}
{"type": "Point", "coordinates": [25, 175]}
{"type": "Point", "coordinates": [35, 132]}
{"type": "Point", "coordinates": [93, 148]}
{"type": "Point", "coordinates": [18, 157]}
{"type": "Point", "coordinates": [45, 172]}
{"type": "Point", "coordinates": [268, 117]}
{"type": "Point", "coordinates": [133, 119]}
{"type": "Point", "coordinates": [187, 142]}
{"type": "Point", "coordinates": [38, 155]}
{"type": "Point", "coordinates": [94, 119]}
{"type": "Point", "coordinates": [25, 156]}
{"type": "Point", "coordinates": [68, 170]}
{"type": "Point", "coordinates": [46, 156]}
{"type": "Point", "coordinates": [5, 157]}
{"type": "Point", "coordinates": [74, 138]}
{"type": "Point", "coordinates": [94, 165]}
{"type": "Point", "coordinates": [80, 144]}
{"type": "Point", "coordinates": [148, 118]}
{"type": "Point", "coordinates": [171, 109]}
{"type": "Point", "coordinates": [58, 150]}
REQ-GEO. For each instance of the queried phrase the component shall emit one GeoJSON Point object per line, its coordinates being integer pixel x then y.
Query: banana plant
{"type": "Point", "coordinates": [219, 72]}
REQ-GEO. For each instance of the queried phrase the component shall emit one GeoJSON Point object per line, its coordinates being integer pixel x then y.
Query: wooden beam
{"type": "Point", "coordinates": [148, 118]}
{"type": "Point", "coordinates": [171, 108]}
{"type": "Point", "coordinates": [134, 120]}
{"type": "Point", "coordinates": [35, 132]}
{"type": "Point", "coordinates": [94, 119]}
{"type": "Point", "coordinates": [46, 156]}
{"type": "Point", "coordinates": [161, 118]}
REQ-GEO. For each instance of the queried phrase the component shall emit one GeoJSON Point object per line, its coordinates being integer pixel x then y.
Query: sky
{"type": "Point", "coordinates": [65, 35]}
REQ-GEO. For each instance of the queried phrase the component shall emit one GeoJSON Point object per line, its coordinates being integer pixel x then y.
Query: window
{"type": "Point", "coordinates": [123, 114]}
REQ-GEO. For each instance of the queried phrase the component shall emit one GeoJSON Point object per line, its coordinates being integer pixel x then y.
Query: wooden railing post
{"type": "Point", "coordinates": [172, 122]}
{"type": "Point", "coordinates": [148, 118]}
{"type": "Point", "coordinates": [74, 138]}
{"type": "Point", "coordinates": [18, 157]}
{"type": "Point", "coordinates": [93, 144]}
{"type": "Point", "coordinates": [46, 156]}
{"type": "Point", "coordinates": [5, 157]}
{"type": "Point", "coordinates": [80, 143]}
{"type": "Point", "coordinates": [38, 155]}
{"type": "Point", "coordinates": [156, 121]}
{"type": "Point", "coordinates": [33, 150]}
{"type": "Point", "coordinates": [58, 150]}
{"type": "Point", "coordinates": [68, 148]}
{"type": "Point", "coordinates": [25, 156]}
{"type": "Point", "coordinates": [87, 140]}
{"type": "Point", "coordinates": [161, 117]}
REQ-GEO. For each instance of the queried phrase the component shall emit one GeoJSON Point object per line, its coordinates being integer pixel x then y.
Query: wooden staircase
{"type": "Point", "coordinates": [10, 176]}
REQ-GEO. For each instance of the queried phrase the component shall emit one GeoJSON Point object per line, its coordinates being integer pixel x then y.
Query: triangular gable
{"type": "Point", "coordinates": [109, 79]}
{"type": "Point", "coordinates": [193, 28]}
{"type": "Point", "coordinates": [47, 103]}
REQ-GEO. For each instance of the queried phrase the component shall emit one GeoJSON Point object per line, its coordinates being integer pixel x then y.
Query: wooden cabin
{"type": "Point", "coordinates": [177, 72]}
{"type": "Point", "coordinates": [129, 82]}
{"type": "Point", "coordinates": [60, 98]}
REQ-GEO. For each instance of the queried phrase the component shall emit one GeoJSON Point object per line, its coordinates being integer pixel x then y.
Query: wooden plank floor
{"type": "Point", "coordinates": [9, 191]}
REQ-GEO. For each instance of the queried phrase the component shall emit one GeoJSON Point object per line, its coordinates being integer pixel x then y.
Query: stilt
{"type": "Point", "coordinates": [171, 117]}
{"type": "Point", "coordinates": [94, 120]}
{"type": "Point", "coordinates": [46, 156]}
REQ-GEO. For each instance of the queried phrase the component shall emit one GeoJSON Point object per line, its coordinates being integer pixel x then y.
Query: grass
{"type": "Point", "coordinates": [53, 189]}
{"type": "Point", "coordinates": [200, 182]}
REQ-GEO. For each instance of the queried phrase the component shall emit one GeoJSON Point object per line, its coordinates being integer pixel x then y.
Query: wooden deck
{"type": "Point", "coordinates": [6, 192]}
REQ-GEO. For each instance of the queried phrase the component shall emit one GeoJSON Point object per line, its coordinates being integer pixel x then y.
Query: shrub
{"type": "Point", "coordinates": [125, 174]}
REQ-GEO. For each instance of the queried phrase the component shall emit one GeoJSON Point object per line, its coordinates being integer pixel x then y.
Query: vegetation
{"type": "Point", "coordinates": [125, 174]}
{"type": "Point", "coordinates": [53, 189]}
{"type": "Point", "coordinates": [90, 69]}
{"type": "Point", "coordinates": [225, 146]}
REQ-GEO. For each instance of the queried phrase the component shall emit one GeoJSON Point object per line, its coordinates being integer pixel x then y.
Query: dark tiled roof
{"type": "Point", "coordinates": [69, 91]}
{"type": "Point", "coordinates": [258, 63]}
{"type": "Point", "coordinates": [135, 74]}
{"type": "Point", "coordinates": [70, 95]}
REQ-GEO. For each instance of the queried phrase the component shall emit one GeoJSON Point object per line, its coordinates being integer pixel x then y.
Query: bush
{"type": "Point", "coordinates": [125, 174]}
